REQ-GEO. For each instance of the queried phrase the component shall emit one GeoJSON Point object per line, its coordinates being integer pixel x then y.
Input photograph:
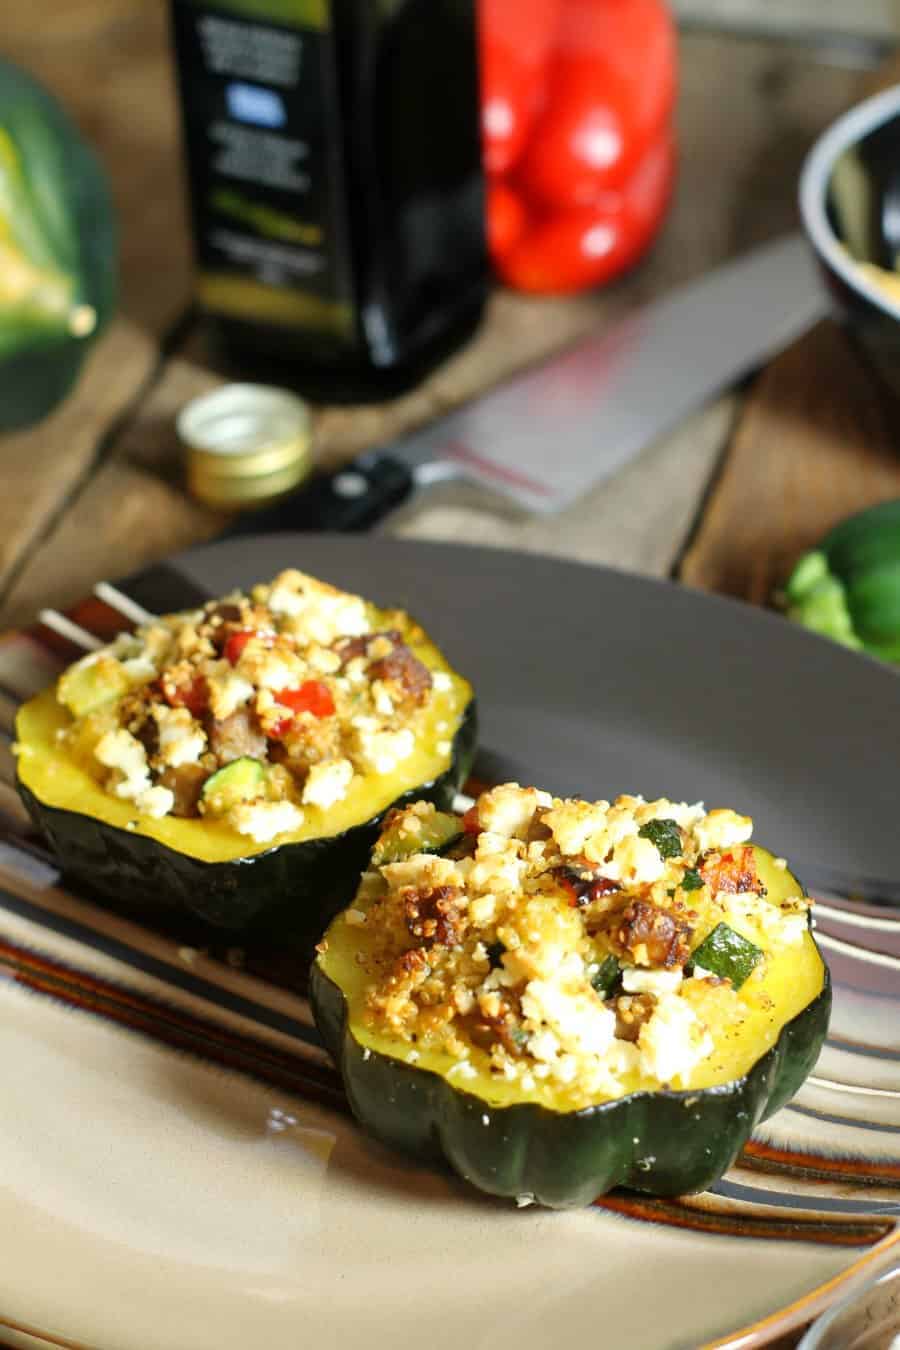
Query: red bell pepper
{"type": "Point", "coordinates": [515, 40]}
{"type": "Point", "coordinates": [610, 88]}
{"type": "Point", "coordinates": [193, 695]}
{"type": "Point", "coordinates": [571, 250]}
{"type": "Point", "coordinates": [507, 218]}
{"type": "Point", "coordinates": [588, 164]}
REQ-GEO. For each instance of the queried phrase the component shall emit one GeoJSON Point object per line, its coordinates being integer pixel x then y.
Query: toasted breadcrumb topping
{"type": "Point", "coordinates": [551, 939]}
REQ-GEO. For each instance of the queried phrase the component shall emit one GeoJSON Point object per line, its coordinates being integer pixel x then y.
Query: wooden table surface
{"type": "Point", "coordinates": [726, 503]}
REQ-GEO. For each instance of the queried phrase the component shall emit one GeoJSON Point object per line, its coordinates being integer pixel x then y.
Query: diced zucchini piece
{"type": "Point", "coordinates": [727, 954]}
{"type": "Point", "coordinates": [435, 834]}
{"type": "Point", "coordinates": [90, 683]}
{"type": "Point", "coordinates": [240, 781]}
{"type": "Point", "coordinates": [606, 976]}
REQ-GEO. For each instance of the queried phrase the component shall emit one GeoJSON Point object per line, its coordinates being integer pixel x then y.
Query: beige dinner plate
{"type": "Point", "coordinates": [179, 1168]}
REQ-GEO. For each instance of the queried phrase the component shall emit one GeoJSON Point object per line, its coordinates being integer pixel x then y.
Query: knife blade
{"type": "Point", "coordinates": [553, 431]}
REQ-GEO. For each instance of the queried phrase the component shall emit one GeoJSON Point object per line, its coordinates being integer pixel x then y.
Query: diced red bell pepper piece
{"type": "Point", "coordinates": [194, 696]}
{"type": "Point", "coordinates": [235, 644]}
{"type": "Point", "coordinates": [313, 696]}
{"type": "Point", "coordinates": [471, 824]}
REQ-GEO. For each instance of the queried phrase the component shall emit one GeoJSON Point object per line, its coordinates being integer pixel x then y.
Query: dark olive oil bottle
{"type": "Point", "coordinates": [335, 183]}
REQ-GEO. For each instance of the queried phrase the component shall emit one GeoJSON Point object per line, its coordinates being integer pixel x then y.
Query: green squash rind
{"type": "Point", "coordinates": [69, 218]}
{"type": "Point", "coordinates": [292, 888]}
{"type": "Point", "coordinates": [686, 1139]}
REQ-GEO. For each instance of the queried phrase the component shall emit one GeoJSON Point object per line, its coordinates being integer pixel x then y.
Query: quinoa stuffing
{"type": "Point", "coordinates": [257, 711]}
{"type": "Point", "coordinates": [576, 948]}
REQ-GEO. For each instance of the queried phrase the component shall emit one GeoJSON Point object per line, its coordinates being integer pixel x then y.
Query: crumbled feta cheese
{"type": "Point", "coordinates": [794, 925]}
{"type": "Point", "coordinates": [274, 669]}
{"type": "Point", "coordinates": [722, 829]}
{"type": "Point", "coordinates": [673, 1039]}
{"type": "Point", "coordinates": [684, 815]}
{"type": "Point", "coordinates": [327, 783]}
{"type": "Point", "coordinates": [384, 704]}
{"type": "Point", "coordinates": [463, 1000]}
{"type": "Point", "coordinates": [314, 612]}
{"type": "Point", "coordinates": [322, 660]}
{"type": "Point", "coordinates": [543, 1046]}
{"type": "Point", "coordinates": [572, 823]}
{"type": "Point", "coordinates": [756, 919]}
{"type": "Point", "coordinates": [635, 862]}
{"type": "Point", "coordinates": [181, 739]}
{"type": "Point", "coordinates": [155, 801]}
{"type": "Point", "coordinates": [579, 1019]}
{"type": "Point", "coordinates": [263, 821]}
{"type": "Point", "coordinates": [284, 601]}
{"type": "Point", "coordinates": [124, 752]}
{"type": "Point", "coordinates": [382, 751]}
{"type": "Point", "coordinates": [496, 868]}
{"type": "Point", "coordinates": [638, 981]}
{"type": "Point", "coordinates": [508, 810]}
{"type": "Point", "coordinates": [228, 690]}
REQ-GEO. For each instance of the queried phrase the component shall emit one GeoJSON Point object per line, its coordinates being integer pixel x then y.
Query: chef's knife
{"type": "Point", "coordinates": [550, 433]}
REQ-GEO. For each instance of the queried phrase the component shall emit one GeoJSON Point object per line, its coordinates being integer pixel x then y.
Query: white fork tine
{"type": "Point", "coordinates": [73, 632]}
{"type": "Point", "coordinates": [123, 604]}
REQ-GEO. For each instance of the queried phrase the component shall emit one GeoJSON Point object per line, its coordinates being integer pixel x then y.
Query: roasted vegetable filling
{"type": "Point", "coordinates": [572, 951]}
{"type": "Point", "coordinates": [258, 711]}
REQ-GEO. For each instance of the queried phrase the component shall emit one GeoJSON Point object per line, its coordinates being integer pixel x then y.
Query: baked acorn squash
{"type": "Point", "coordinates": [58, 254]}
{"type": "Point", "coordinates": [561, 997]}
{"type": "Point", "coordinates": [235, 762]}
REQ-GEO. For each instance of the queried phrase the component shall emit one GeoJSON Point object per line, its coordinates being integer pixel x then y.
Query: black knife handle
{"type": "Point", "coordinates": [355, 497]}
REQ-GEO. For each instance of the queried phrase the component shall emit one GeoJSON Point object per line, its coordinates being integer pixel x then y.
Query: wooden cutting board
{"type": "Point", "coordinates": [818, 439]}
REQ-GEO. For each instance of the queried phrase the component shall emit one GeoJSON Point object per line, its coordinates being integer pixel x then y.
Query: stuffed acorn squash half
{"type": "Point", "coordinates": [237, 760]}
{"type": "Point", "coordinates": [557, 997]}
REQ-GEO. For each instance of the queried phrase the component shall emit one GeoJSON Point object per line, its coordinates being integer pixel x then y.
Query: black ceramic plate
{"type": "Point", "coordinates": [594, 682]}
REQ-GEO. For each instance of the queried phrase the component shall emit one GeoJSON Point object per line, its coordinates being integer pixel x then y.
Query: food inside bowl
{"type": "Point", "coordinates": [559, 996]}
{"type": "Point", "coordinates": [881, 278]}
{"type": "Point", "coordinates": [289, 715]}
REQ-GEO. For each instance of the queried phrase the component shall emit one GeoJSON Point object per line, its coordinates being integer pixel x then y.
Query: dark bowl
{"type": "Point", "coordinates": [850, 204]}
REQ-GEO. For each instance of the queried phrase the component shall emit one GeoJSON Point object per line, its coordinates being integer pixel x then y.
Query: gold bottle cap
{"type": "Point", "coordinates": [246, 444]}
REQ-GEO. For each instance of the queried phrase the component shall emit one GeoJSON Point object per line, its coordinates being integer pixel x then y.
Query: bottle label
{"type": "Point", "coordinates": [261, 119]}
